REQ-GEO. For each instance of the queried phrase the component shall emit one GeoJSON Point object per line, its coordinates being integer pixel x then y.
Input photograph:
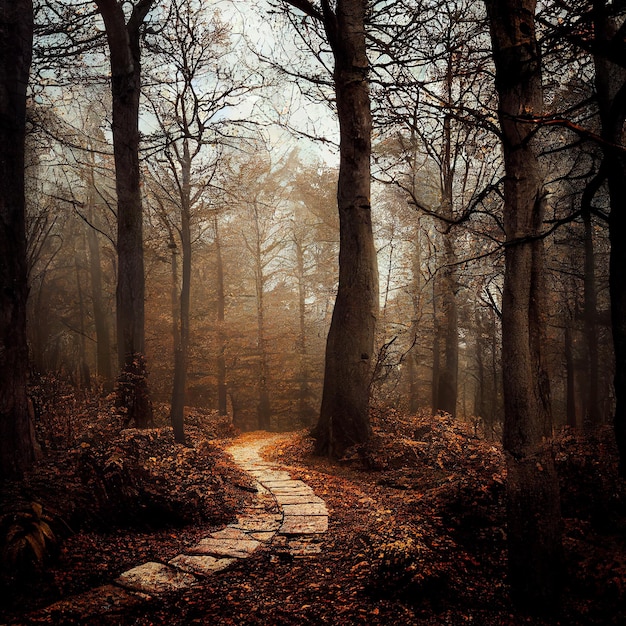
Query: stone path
{"type": "Point", "coordinates": [287, 517]}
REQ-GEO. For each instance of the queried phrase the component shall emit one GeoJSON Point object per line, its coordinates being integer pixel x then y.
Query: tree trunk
{"type": "Point", "coordinates": [344, 415]}
{"type": "Point", "coordinates": [446, 385]}
{"type": "Point", "coordinates": [495, 375]}
{"type": "Point", "coordinates": [593, 414]}
{"type": "Point", "coordinates": [124, 51]}
{"type": "Point", "coordinates": [571, 409]}
{"type": "Point", "coordinates": [447, 382]}
{"type": "Point", "coordinates": [17, 445]}
{"type": "Point", "coordinates": [222, 400]}
{"type": "Point", "coordinates": [533, 511]}
{"type": "Point", "coordinates": [480, 405]}
{"type": "Point", "coordinates": [101, 320]}
{"type": "Point", "coordinates": [305, 411]}
{"type": "Point", "coordinates": [181, 349]}
{"type": "Point", "coordinates": [611, 89]}
{"type": "Point", "coordinates": [617, 288]}
{"type": "Point", "coordinates": [84, 376]}
{"type": "Point", "coordinates": [437, 332]}
{"type": "Point", "coordinates": [263, 405]}
{"type": "Point", "coordinates": [416, 301]}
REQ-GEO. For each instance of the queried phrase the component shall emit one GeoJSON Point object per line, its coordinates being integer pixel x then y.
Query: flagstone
{"type": "Point", "coordinates": [289, 498]}
{"type": "Point", "coordinates": [270, 476]}
{"type": "Point", "coordinates": [200, 564]}
{"type": "Point", "coordinates": [305, 509]}
{"type": "Point", "coordinates": [263, 536]}
{"type": "Point", "coordinates": [234, 548]}
{"type": "Point", "coordinates": [230, 532]}
{"type": "Point", "coordinates": [268, 521]}
{"type": "Point", "coordinates": [292, 490]}
{"type": "Point", "coordinates": [289, 483]}
{"type": "Point", "coordinates": [155, 578]}
{"type": "Point", "coordinates": [304, 525]}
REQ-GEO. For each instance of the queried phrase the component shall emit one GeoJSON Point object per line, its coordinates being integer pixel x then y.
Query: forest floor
{"type": "Point", "coordinates": [416, 530]}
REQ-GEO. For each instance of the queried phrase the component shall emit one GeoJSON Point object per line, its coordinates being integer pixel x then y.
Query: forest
{"type": "Point", "coordinates": [313, 311]}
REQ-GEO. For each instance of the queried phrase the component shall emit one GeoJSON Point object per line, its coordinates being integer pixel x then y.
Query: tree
{"type": "Point", "coordinates": [17, 445]}
{"type": "Point", "coordinates": [610, 81]}
{"type": "Point", "coordinates": [123, 37]}
{"type": "Point", "coordinates": [433, 107]}
{"type": "Point", "coordinates": [344, 414]}
{"type": "Point", "coordinates": [533, 512]}
{"type": "Point", "coordinates": [193, 95]}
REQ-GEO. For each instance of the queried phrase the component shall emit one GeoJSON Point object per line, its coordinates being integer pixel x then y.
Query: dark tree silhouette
{"type": "Point", "coordinates": [533, 511]}
{"type": "Point", "coordinates": [16, 439]}
{"type": "Point", "coordinates": [344, 415]}
{"type": "Point", "coordinates": [123, 37]}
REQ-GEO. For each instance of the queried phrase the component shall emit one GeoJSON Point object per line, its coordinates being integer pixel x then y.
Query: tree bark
{"type": "Point", "coordinates": [125, 58]}
{"type": "Point", "coordinates": [344, 415]}
{"type": "Point", "coordinates": [181, 348]}
{"type": "Point", "coordinates": [570, 368]}
{"type": "Point", "coordinates": [222, 399]}
{"type": "Point", "coordinates": [305, 412]}
{"type": "Point", "coordinates": [611, 89]}
{"type": "Point", "coordinates": [533, 511]}
{"type": "Point", "coordinates": [447, 337]}
{"type": "Point", "coordinates": [593, 413]}
{"type": "Point", "coordinates": [17, 445]}
{"type": "Point", "coordinates": [101, 320]}
{"type": "Point", "coordinates": [416, 301]}
{"type": "Point", "coordinates": [263, 405]}
{"type": "Point", "coordinates": [446, 384]}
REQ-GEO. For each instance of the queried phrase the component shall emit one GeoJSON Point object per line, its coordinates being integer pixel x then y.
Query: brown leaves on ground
{"type": "Point", "coordinates": [109, 499]}
{"type": "Point", "coordinates": [416, 530]}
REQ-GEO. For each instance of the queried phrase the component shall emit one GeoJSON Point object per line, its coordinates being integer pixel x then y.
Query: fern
{"type": "Point", "coordinates": [27, 539]}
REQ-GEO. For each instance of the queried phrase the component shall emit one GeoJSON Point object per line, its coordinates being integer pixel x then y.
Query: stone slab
{"type": "Point", "coordinates": [105, 600]}
{"type": "Point", "coordinates": [305, 509]}
{"type": "Point", "coordinates": [304, 525]}
{"type": "Point", "coordinates": [289, 498]}
{"type": "Point", "coordinates": [258, 522]}
{"type": "Point", "coordinates": [230, 532]}
{"type": "Point", "coordinates": [232, 548]}
{"type": "Point", "coordinates": [263, 536]}
{"type": "Point", "coordinates": [265, 476]}
{"type": "Point", "coordinates": [200, 564]}
{"type": "Point", "coordinates": [155, 578]}
{"type": "Point", "coordinates": [289, 483]}
{"type": "Point", "coordinates": [266, 502]}
{"type": "Point", "coordinates": [261, 489]}
{"type": "Point", "coordinates": [292, 491]}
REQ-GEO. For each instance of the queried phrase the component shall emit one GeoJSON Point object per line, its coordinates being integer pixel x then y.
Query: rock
{"type": "Point", "coordinates": [233, 548]}
{"type": "Point", "coordinates": [202, 565]}
{"type": "Point", "coordinates": [155, 578]}
{"type": "Point", "coordinates": [304, 525]}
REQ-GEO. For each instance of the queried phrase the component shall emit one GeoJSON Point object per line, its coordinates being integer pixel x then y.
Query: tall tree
{"type": "Point", "coordinates": [123, 37]}
{"type": "Point", "coordinates": [344, 414]}
{"type": "Point", "coordinates": [17, 449]}
{"type": "Point", "coordinates": [222, 395]}
{"type": "Point", "coordinates": [610, 80]}
{"type": "Point", "coordinates": [533, 512]}
{"type": "Point", "coordinates": [193, 96]}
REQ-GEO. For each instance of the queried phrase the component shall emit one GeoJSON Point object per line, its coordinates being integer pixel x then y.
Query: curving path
{"type": "Point", "coordinates": [286, 517]}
